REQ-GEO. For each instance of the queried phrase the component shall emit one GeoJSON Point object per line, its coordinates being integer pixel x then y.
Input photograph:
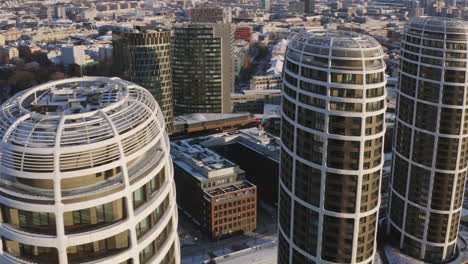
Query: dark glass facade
{"type": "Point", "coordinates": [332, 147]}
{"type": "Point", "coordinates": [143, 56]}
{"type": "Point", "coordinates": [430, 162]}
{"type": "Point", "coordinates": [203, 72]}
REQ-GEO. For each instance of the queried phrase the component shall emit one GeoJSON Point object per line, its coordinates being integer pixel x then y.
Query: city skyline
{"type": "Point", "coordinates": [233, 131]}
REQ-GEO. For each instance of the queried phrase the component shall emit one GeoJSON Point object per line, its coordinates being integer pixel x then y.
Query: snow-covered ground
{"type": "Point", "coordinates": [396, 257]}
{"type": "Point", "coordinates": [262, 254]}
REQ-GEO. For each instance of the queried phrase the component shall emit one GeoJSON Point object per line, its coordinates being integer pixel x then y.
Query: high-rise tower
{"type": "Point", "coordinates": [309, 6]}
{"type": "Point", "coordinates": [209, 13]}
{"type": "Point", "coordinates": [430, 159]}
{"type": "Point", "coordinates": [332, 148]}
{"type": "Point", "coordinates": [203, 68]}
{"type": "Point", "coordinates": [143, 56]}
{"type": "Point", "coordinates": [266, 5]}
{"type": "Point", "coordinates": [86, 176]}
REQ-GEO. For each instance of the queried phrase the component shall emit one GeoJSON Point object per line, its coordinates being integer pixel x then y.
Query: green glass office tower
{"type": "Point", "coordinates": [143, 56]}
{"type": "Point", "coordinates": [203, 69]}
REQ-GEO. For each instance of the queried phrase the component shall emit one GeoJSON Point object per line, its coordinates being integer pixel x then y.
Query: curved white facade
{"type": "Point", "coordinates": [86, 175]}
{"type": "Point", "coordinates": [332, 135]}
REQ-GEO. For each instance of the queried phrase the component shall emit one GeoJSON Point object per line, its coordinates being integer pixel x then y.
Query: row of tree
{"type": "Point", "coordinates": [23, 76]}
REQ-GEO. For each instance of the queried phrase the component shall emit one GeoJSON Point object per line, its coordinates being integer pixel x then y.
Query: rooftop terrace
{"type": "Point", "coordinates": [73, 98]}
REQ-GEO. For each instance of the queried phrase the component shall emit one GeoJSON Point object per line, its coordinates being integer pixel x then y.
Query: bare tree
{"type": "Point", "coordinates": [22, 80]}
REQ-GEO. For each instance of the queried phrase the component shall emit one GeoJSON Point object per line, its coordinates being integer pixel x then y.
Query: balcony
{"type": "Point", "coordinates": [25, 192]}
{"type": "Point", "coordinates": [93, 257]}
{"type": "Point", "coordinates": [146, 165]}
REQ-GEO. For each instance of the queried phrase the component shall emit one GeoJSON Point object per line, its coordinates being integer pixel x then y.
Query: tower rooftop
{"type": "Point", "coordinates": [334, 39]}
{"type": "Point", "coordinates": [438, 24]}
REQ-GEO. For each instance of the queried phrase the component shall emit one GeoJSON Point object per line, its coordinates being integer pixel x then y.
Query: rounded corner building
{"type": "Point", "coordinates": [430, 159]}
{"type": "Point", "coordinates": [86, 176]}
{"type": "Point", "coordinates": [332, 136]}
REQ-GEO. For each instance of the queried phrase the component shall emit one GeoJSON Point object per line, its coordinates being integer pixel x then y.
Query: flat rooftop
{"type": "Point", "coordinates": [200, 161]}
{"type": "Point", "coordinates": [253, 138]}
{"type": "Point", "coordinates": [195, 156]}
{"type": "Point", "coordinates": [265, 254]}
{"type": "Point", "coordinates": [206, 117]}
{"type": "Point", "coordinates": [229, 191]}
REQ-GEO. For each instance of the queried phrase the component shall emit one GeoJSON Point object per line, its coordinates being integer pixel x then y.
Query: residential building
{"type": "Point", "coordinates": [297, 7]}
{"type": "Point", "coordinates": [8, 54]}
{"type": "Point", "coordinates": [55, 34]}
{"type": "Point", "coordinates": [213, 190]}
{"type": "Point", "coordinates": [247, 145]}
{"type": "Point", "coordinates": [243, 33]}
{"type": "Point", "coordinates": [46, 12]}
{"type": "Point", "coordinates": [144, 56]}
{"type": "Point", "coordinates": [332, 137]}
{"type": "Point", "coordinates": [309, 6]}
{"type": "Point", "coordinates": [266, 82]}
{"type": "Point", "coordinates": [430, 149]}
{"type": "Point", "coordinates": [239, 51]}
{"type": "Point", "coordinates": [209, 13]}
{"type": "Point", "coordinates": [11, 35]}
{"type": "Point", "coordinates": [60, 12]}
{"type": "Point", "coordinates": [266, 5]}
{"type": "Point", "coordinates": [86, 175]}
{"type": "Point", "coordinates": [73, 55]}
{"type": "Point", "coordinates": [203, 68]}
{"type": "Point", "coordinates": [105, 53]}
{"type": "Point", "coordinates": [254, 101]}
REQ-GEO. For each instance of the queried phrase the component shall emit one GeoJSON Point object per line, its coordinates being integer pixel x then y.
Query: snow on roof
{"type": "Point", "coordinates": [205, 117]}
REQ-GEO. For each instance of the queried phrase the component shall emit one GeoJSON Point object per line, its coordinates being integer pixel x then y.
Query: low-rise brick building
{"type": "Point", "coordinates": [213, 191]}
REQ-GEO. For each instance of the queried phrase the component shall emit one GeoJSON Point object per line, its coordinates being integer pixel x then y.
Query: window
{"type": "Point", "coordinates": [308, 183]}
{"type": "Point", "coordinates": [346, 64]}
{"type": "Point", "coordinates": [292, 67]}
{"type": "Point", "coordinates": [143, 226]}
{"type": "Point", "coordinates": [346, 93]}
{"type": "Point", "coordinates": [343, 106]}
{"type": "Point", "coordinates": [311, 119]}
{"type": "Point", "coordinates": [139, 197]}
{"type": "Point", "coordinates": [309, 146]}
{"type": "Point", "coordinates": [314, 74]}
{"type": "Point", "coordinates": [82, 217]}
{"type": "Point", "coordinates": [346, 78]}
{"type": "Point", "coordinates": [455, 76]}
{"type": "Point", "coordinates": [35, 254]}
{"type": "Point", "coordinates": [313, 88]}
{"type": "Point", "coordinates": [36, 222]}
{"type": "Point", "coordinates": [430, 73]}
{"type": "Point", "coordinates": [95, 217]}
{"type": "Point", "coordinates": [305, 229]}
{"type": "Point", "coordinates": [375, 92]}
{"type": "Point", "coordinates": [105, 213]}
{"type": "Point", "coordinates": [375, 106]}
{"type": "Point", "coordinates": [377, 77]}
{"type": "Point", "coordinates": [340, 193]}
{"type": "Point", "coordinates": [95, 250]}
{"type": "Point", "coordinates": [337, 231]}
